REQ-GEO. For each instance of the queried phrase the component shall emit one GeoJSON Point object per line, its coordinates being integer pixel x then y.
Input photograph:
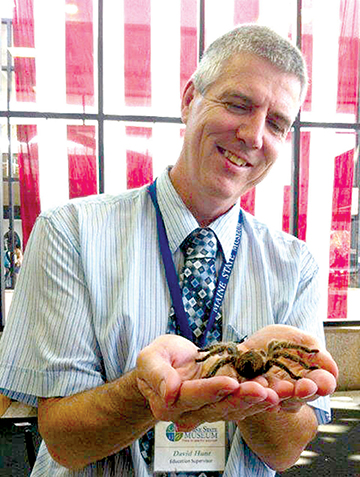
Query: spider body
{"type": "Point", "coordinates": [253, 363]}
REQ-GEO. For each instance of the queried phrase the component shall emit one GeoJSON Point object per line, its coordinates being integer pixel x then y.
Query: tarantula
{"type": "Point", "coordinates": [255, 362]}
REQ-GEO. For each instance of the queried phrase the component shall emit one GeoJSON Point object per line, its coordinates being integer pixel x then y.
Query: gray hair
{"type": "Point", "coordinates": [259, 40]}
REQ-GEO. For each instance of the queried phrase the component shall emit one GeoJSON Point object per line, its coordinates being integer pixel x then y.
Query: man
{"type": "Point", "coordinates": [93, 350]}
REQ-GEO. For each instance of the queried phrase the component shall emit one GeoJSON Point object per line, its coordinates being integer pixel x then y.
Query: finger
{"type": "Point", "coordinates": [161, 384]}
{"type": "Point", "coordinates": [194, 395]}
{"type": "Point", "coordinates": [325, 361]}
{"type": "Point", "coordinates": [254, 392]}
{"type": "Point", "coordinates": [283, 388]}
{"type": "Point", "coordinates": [324, 380]}
{"type": "Point", "coordinates": [164, 365]}
{"type": "Point", "coordinates": [158, 405]}
{"type": "Point", "coordinates": [249, 394]}
{"type": "Point", "coordinates": [222, 412]}
{"type": "Point", "coordinates": [305, 388]}
{"type": "Point", "coordinates": [197, 393]}
{"type": "Point", "coordinates": [262, 380]}
{"type": "Point", "coordinates": [291, 405]}
{"type": "Point", "coordinates": [249, 399]}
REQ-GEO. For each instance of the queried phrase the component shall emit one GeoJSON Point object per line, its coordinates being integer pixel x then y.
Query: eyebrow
{"type": "Point", "coordinates": [237, 96]}
{"type": "Point", "coordinates": [248, 100]}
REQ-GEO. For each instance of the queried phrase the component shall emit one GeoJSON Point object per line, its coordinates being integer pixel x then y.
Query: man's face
{"type": "Point", "coordinates": [234, 131]}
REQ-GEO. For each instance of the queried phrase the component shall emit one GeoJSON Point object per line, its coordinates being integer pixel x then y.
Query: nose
{"type": "Point", "coordinates": [251, 131]}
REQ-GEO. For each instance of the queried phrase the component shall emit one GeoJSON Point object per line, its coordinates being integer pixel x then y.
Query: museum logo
{"type": "Point", "coordinates": [200, 434]}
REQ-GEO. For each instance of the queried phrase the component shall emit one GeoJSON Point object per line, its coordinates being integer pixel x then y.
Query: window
{"type": "Point", "coordinates": [90, 102]}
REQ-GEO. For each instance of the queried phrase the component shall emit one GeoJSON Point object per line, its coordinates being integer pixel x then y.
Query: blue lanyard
{"type": "Point", "coordinates": [173, 281]}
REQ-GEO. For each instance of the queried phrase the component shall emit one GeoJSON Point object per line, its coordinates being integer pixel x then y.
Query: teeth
{"type": "Point", "coordinates": [233, 158]}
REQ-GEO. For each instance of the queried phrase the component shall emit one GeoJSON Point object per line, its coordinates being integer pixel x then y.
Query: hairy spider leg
{"type": "Point", "coordinates": [274, 362]}
{"type": "Point", "coordinates": [274, 345]}
{"type": "Point", "coordinates": [294, 358]}
{"type": "Point", "coordinates": [219, 364]}
{"type": "Point", "coordinates": [210, 352]}
{"type": "Point", "coordinates": [219, 348]}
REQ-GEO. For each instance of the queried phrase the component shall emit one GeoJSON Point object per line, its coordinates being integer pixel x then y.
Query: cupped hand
{"type": "Point", "coordinates": [314, 383]}
{"type": "Point", "coordinates": [168, 376]}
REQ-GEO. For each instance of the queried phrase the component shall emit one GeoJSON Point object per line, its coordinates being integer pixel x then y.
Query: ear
{"type": "Point", "coordinates": [186, 101]}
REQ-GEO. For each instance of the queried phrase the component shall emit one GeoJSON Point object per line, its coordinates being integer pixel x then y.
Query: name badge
{"type": "Point", "coordinates": [202, 449]}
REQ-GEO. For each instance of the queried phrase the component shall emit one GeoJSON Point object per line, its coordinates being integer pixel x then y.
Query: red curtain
{"type": "Point", "coordinates": [137, 37]}
{"type": "Point", "coordinates": [348, 82]}
{"type": "Point", "coordinates": [303, 190]}
{"type": "Point", "coordinates": [286, 209]}
{"type": "Point", "coordinates": [23, 36]}
{"type": "Point", "coordinates": [304, 183]}
{"type": "Point", "coordinates": [307, 50]}
{"type": "Point", "coordinates": [139, 163]}
{"type": "Point", "coordinates": [347, 102]}
{"type": "Point", "coordinates": [80, 54]}
{"type": "Point", "coordinates": [28, 160]}
{"type": "Point", "coordinates": [340, 236]}
{"type": "Point", "coordinates": [188, 46]}
{"type": "Point", "coordinates": [82, 161]}
{"type": "Point", "coordinates": [247, 201]}
{"type": "Point", "coordinates": [245, 11]}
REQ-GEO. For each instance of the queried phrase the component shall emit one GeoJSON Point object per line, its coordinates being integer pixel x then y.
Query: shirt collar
{"type": "Point", "coordinates": [179, 222]}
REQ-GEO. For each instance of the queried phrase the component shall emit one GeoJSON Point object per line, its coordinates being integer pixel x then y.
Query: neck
{"type": "Point", "coordinates": [205, 209]}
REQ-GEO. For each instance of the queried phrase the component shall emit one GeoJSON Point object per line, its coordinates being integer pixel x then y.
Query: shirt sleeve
{"type": "Point", "coordinates": [305, 315]}
{"type": "Point", "coordinates": [49, 347]}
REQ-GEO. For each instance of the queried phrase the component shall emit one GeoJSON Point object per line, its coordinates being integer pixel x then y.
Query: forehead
{"type": "Point", "coordinates": [257, 79]}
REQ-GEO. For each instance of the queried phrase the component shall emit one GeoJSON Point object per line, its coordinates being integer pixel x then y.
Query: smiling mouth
{"type": "Point", "coordinates": [233, 158]}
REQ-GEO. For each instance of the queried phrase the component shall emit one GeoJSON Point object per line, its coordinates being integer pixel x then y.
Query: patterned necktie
{"type": "Point", "coordinates": [198, 283]}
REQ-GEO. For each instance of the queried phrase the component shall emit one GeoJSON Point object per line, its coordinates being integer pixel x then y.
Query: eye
{"type": "Point", "coordinates": [236, 108]}
{"type": "Point", "coordinates": [279, 129]}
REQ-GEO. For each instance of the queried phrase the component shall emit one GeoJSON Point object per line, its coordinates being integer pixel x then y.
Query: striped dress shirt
{"type": "Point", "coordinates": [92, 293]}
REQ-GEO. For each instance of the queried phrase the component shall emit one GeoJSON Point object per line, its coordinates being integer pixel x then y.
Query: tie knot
{"type": "Point", "coordinates": [201, 243]}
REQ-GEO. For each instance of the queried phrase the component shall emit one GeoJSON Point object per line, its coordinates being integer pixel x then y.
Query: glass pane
{"type": "Point", "coordinates": [235, 12]}
{"type": "Point", "coordinates": [136, 153]}
{"type": "Point", "coordinates": [3, 147]}
{"type": "Point", "coordinates": [277, 186]}
{"type": "Point", "coordinates": [154, 58]}
{"type": "Point", "coordinates": [82, 161]}
{"type": "Point", "coordinates": [331, 48]}
{"type": "Point", "coordinates": [137, 52]}
{"type": "Point", "coordinates": [56, 161]}
{"type": "Point", "coordinates": [330, 205]}
{"type": "Point", "coordinates": [188, 41]}
{"type": "Point", "coordinates": [52, 55]}
{"type": "Point", "coordinates": [5, 63]}
{"type": "Point", "coordinates": [80, 28]}
{"type": "Point", "coordinates": [11, 223]}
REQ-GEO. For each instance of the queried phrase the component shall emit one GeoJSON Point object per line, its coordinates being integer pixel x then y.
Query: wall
{"type": "Point", "coordinates": [344, 345]}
